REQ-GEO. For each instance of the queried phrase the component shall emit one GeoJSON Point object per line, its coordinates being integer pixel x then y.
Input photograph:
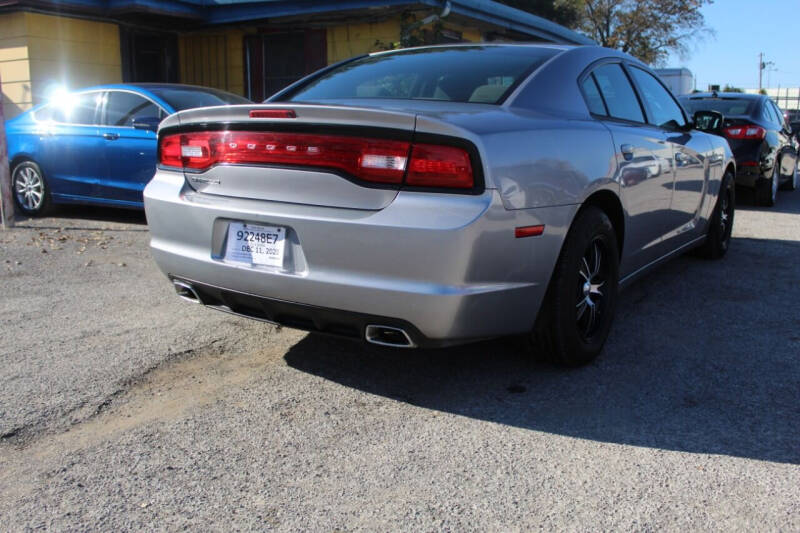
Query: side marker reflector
{"type": "Point", "coordinates": [528, 231]}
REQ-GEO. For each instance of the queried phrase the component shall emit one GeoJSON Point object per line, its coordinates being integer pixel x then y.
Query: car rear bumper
{"type": "Point", "coordinates": [748, 176]}
{"type": "Point", "coordinates": [445, 267]}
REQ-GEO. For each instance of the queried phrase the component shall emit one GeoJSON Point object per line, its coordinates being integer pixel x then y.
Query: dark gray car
{"type": "Point", "coordinates": [441, 195]}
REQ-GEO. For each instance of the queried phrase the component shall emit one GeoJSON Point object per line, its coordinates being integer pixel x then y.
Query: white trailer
{"type": "Point", "coordinates": [679, 80]}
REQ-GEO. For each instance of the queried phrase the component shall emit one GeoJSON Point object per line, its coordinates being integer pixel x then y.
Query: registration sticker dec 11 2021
{"type": "Point", "coordinates": [253, 244]}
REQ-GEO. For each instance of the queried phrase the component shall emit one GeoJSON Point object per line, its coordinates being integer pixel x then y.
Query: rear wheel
{"type": "Point", "coordinates": [720, 226]}
{"type": "Point", "coordinates": [577, 313]}
{"type": "Point", "coordinates": [30, 188]}
{"type": "Point", "coordinates": [794, 180]}
{"type": "Point", "coordinates": [767, 190]}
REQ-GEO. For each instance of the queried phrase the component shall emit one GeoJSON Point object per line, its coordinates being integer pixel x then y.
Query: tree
{"type": "Point", "coordinates": [564, 12]}
{"type": "Point", "coordinates": [647, 29]}
{"type": "Point", "coordinates": [731, 89]}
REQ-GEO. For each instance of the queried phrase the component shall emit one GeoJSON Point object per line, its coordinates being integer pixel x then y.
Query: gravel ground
{"type": "Point", "coordinates": [123, 407]}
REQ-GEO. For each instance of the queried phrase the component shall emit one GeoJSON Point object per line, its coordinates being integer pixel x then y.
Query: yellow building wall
{"type": "Point", "coordinates": [14, 69]}
{"type": "Point", "coordinates": [38, 51]}
{"type": "Point", "coordinates": [213, 59]}
{"type": "Point", "coordinates": [349, 40]}
{"type": "Point", "coordinates": [72, 52]}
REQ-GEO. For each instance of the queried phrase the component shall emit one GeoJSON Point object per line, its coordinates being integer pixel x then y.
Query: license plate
{"type": "Point", "coordinates": [254, 244]}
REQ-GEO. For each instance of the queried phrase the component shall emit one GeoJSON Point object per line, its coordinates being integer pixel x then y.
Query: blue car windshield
{"type": "Point", "coordinates": [185, 98]}
{"type": "Point", "coordinates": [477, 74]}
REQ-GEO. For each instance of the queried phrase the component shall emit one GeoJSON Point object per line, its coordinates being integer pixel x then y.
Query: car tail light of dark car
{"type": "Point", "coordinates": [371, 160]}
{"type": "Point", "coordinates": [748, 131]}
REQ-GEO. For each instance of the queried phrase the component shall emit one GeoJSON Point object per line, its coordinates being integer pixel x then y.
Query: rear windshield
{"type": "Point", "coordinates": [184, 98]}
{"type": "Point", "coordinates": [727, 106]}
{"type": "Point", "coordinates": [458, 74]}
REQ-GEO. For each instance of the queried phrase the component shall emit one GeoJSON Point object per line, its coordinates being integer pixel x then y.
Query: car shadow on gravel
{"type": "Point", "coordinates": [82, 214]}
{"type": "Point", "coordinates": [703, 358]}
{"type": "Point", "coordinates": [786, 202]}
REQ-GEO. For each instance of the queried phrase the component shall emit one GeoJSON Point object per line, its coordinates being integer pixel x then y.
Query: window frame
{"type": "Point", "coordinates": [779, 113]}
{"type": "Point", "coordinates": [626, 65]}
{"type": "Point", "coordinates": [97, 108]}
{"type": "Point", "coordinates": [107, 93]}
{"type": "Point", "coordinates": [629, 67]}
{"type": "Point", "coordinates": [589, 71]}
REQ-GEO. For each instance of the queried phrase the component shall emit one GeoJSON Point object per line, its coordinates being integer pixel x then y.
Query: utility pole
{"type": "Point", "coordinates": [761, 66]}
{"type": "Point", "coordinates": [6, 203]}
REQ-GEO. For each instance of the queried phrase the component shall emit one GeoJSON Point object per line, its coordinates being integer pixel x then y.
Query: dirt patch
{"type": "Point", "coordinates": [186, 381]}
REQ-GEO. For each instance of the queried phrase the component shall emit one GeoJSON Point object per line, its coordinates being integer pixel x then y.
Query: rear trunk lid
{"type": "Point", "coordinates": [311, 125]}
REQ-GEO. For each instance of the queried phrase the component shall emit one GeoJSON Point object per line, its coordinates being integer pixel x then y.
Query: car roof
{"type": "Point", "coordinates": [147, 87]}
{"type": "Point", "coordinates": [478, 46]}
{"type": "Point", "coordinates": [721, 95]}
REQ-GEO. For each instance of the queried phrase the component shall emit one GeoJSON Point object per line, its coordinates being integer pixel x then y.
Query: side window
{"type": "Point", "coordinates": [662, 109]}
{"type": "Point", "coordinates": [618, 93]}
{"type": "Point", "coordinates": [76, 108]}
{"type": "Point", "coordinates": [44, 113]}
{"type": "Point", "coordinates": [593, 99]}
{"type": "Point", "coordinates": [766, 113]}
{"type": "Point", "coordinates": [778, 113]}
{"type": "Point", "coordinates": [122, 108]}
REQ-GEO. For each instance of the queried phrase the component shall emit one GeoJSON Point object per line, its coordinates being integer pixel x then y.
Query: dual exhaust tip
{"type": "Point", "coordinates": [374, 334]}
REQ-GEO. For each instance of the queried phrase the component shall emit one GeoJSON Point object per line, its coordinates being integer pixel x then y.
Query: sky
{"type": "Point", "coordinates": [743, 29]}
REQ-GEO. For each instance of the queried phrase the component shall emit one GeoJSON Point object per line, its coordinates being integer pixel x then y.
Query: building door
{"type": "Point", "coordinates": [276, 59]}
{"type": "Point", "coordinates": [149, 56]}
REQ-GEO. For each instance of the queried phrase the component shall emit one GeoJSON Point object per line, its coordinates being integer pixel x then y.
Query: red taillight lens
{"type": "Point", "coordinates": [748, 131]}
{"type": "Point", "coordinates": [439, 166]}
{"type": "Point", "coordinates": [373, 160]}
{"type": "Point", "coordinates": [169, 151]}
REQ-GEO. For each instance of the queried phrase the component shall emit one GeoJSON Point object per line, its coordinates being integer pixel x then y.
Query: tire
{"type": "Point", "coordinates": [794, 181]}
{"type": "Point", "coordinates": [578, 309]}
{"type": "Point", "coordinates": [720, 226]}
{"type": "Point", "coordinates": [767, 189]}
{"type": "Point", "coordinates": [29, 188]}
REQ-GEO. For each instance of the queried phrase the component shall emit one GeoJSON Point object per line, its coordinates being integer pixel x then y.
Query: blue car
{"type": "Point", "coordinates": [96, 145]}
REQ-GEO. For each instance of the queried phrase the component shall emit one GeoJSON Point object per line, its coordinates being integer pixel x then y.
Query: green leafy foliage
{"type": "Point", "coordinates": [647, 29]}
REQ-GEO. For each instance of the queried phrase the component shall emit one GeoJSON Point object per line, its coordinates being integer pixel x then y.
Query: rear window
{"type": "Point", "coordinates": [184, 98]}
{"type": "Point", "coordinates": [458, 74]}
{"type": "Point", "coordinates": [727, 106]}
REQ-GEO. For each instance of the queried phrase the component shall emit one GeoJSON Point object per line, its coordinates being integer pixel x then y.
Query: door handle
{"type": "Point", "coordinates": [111, 136]}
{"type": "Point", "coordinates": [627, 151]}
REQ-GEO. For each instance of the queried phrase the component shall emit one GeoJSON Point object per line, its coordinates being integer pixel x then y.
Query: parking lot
{"type": "Point", "coordinates": [122, 406]}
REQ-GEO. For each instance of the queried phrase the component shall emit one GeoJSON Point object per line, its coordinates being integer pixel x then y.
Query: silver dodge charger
{"type": "Point", "coordinates": [441, 195]}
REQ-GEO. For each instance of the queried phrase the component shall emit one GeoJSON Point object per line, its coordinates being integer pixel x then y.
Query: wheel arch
{"type": "Point", "coordinates": [20, 158]}
{"type": "Point", "coordinates": [730, 168]}
{"type": "Point", "coordinates": [611, 205]}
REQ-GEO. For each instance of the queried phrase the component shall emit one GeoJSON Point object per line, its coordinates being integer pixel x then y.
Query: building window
{"type": "Point", "coordinates": [148, 56]}
{"type": "Point", "coordinates": [276, 59]}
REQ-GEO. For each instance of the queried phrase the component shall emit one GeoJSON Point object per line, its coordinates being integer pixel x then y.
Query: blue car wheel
{"type": "Point", "coordinates": [30, 188]}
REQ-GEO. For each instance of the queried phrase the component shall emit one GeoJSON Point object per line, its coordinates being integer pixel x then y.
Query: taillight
{"type": "Point", "coordinates": [439, 166]}
{"type": "Point", "coordinates": [748, 131]}
{"type": "Point", "coordinates": [372, 160]}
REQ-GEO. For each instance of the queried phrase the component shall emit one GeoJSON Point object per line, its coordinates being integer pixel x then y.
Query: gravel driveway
{"type": "Point", "coordinates": [123, 407]}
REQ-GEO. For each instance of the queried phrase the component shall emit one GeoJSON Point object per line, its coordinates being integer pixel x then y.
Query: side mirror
{"type": "Point", "coordinates": [708, 121]}
{"type": "Point", "coordinates": [146, 123]}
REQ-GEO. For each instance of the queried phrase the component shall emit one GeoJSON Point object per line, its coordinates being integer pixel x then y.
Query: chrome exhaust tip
{"type": "Point", "coordinates": [186, 291]}
{"type": "Point", "coordinates": [388, 336]}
